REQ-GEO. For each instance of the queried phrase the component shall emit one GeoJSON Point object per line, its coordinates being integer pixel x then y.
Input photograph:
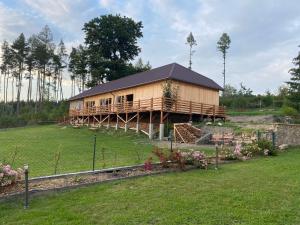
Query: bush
{"type": "Point", "coordinates": [195, 158]}
{"type": "Point", "coordinates": [227, 153]}
{"type": "Point", "coordinates": [265, 144]}
{"type": "Point", "coordinates": [9, 176]}
{"type": "Point", "coordinates": [252, 149]}
{"type": "Point", "coordinates": [289, 111]}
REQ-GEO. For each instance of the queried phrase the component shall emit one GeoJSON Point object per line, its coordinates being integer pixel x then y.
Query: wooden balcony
{"type": "Point", "coordinates": [153, 104]}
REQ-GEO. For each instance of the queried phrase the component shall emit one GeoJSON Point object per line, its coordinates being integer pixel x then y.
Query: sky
{"type": "Point", "coordinates": [265, 34]}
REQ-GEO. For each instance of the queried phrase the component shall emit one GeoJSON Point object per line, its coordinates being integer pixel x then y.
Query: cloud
{"type": "Point", "coordinates": [265, 34]}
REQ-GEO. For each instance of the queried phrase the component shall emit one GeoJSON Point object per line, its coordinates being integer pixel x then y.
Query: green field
{"type": "Point", "coordinates": [39, 146]}
{"type": "Point", "coordinates": [261, 191]}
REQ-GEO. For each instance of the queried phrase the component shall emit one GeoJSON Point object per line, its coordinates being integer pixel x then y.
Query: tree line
{"type": "Point", "coordinates": [108, 50]}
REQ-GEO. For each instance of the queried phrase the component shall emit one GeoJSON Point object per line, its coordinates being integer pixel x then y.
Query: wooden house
{"type": "Point", "coordinates": [148, 100]}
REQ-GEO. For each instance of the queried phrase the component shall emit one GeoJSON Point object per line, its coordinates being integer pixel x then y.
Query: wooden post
{"type": "Point", "coordinates": [117, 122]}
{"type": "Point", "coordinates": [108, 121]}
{"type": "Point", "coordinates": [138, 117]}
{"type": "Point", "coordinates": [126, 122]}
{"type": "Point", "coordinates": [214, 113]}
{"type": "Point", "coordinates": [191, 116]}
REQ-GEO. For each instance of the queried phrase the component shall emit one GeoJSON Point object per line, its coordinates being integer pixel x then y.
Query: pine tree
{"type": "Point", "coordinates": [223, 45]}
{"type": "Point", "coordinates": [190, 40]}
{"type": "Point", "coordinates": [20, 49]}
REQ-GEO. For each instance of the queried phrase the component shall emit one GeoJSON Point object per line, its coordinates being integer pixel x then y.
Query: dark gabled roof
{"type": "Point", "coordinates": [172, 71]}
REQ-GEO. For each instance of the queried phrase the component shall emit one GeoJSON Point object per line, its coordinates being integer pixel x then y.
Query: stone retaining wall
{"type": "Point", "coordinates": [287, 134]}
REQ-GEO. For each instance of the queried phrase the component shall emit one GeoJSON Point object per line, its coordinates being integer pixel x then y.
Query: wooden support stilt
{"type": "Point", "coordinates": [108, 121]}
{"type": "Point", "coordinates": [117, 122]}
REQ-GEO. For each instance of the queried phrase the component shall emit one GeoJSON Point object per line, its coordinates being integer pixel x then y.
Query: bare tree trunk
{"type": "Point", "coordinates": [224, 57]}
{"type": "Point", "coordinates": [37, 94]}
{"type": "Point", "coordinates": [60, 86]}
{"type": "Point", "coordinates": [12, 89]}
{"type": "Point", "coordinates": [4, 87]}
{"type": "Point", "coordinates": [6, 90]}
{"type": "Point", "coordinates": [49, 82]}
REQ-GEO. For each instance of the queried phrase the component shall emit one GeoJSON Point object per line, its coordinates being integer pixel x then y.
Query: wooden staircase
{"type": "Point", "coordinates": [186, 133]}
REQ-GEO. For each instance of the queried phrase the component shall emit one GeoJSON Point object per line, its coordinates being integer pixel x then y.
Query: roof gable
{"type": "Point", "coordinates": [171, 71]}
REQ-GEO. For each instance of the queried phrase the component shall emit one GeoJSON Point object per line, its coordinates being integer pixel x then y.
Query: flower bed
{"type": "Point", "coordinates": [9, 176]}
{"type": "Point", "coordinates": [85, 178]}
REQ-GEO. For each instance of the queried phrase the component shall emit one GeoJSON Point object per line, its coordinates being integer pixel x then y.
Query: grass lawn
{"type": "Point", "coordinates": [254, 112]}
{"type": "Point", "coordinates": [38, 146]}
{"type": "Point", "coordinates": [261, 191]}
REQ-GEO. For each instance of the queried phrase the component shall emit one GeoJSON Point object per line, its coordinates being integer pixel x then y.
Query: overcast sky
{"type": "Point", "coordinates": [264, 33]}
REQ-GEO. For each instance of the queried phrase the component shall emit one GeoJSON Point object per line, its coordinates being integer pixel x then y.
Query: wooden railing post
{"type": "Point", "coordinates": [151, 104]}
{"type": "Point", "coordinates": [190, 110]}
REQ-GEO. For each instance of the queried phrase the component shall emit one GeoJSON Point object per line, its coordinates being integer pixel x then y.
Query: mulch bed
{"type": "Point", "coordinates": [72, 181]}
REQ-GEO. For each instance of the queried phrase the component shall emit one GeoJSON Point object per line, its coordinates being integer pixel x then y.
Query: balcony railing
{"type": "Point", "coordinates": [153, 104]}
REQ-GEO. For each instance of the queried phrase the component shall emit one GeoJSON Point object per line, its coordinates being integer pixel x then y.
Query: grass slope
{"type": "Point", "coordinates": [261, 191]}
{"type": "Point", "coordinates": [37, 146]}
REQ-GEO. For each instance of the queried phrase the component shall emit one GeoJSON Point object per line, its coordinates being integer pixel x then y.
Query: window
{"type": "Point", "coordinates": [129, 98]}
{"type": "Point", "coordinates": [120, 99]}
{"type": "Point", "coordinates": [89, 104]}
{"type": "Point", "coordinates": [105, 101]}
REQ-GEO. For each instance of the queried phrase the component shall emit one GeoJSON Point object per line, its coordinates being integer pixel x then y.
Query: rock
{"type": "Point", "coordinates": [283, 146]}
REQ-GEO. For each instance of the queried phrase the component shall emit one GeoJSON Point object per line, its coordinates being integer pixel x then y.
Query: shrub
{"type": "Point", "coordinates": [265, 144]}
{"type": "Point", "coordinates": [289, 111]}
{"type": "Point", "coordinates": [227, 153]}
{"type": "Point", "coordinates": [148, 164]}
{"type": "Point", "coordinates": [251, 149]}
{"type": "Point", "coordinates": [9, 176]}
{"type": "Point", "coordinates": [162, 156]}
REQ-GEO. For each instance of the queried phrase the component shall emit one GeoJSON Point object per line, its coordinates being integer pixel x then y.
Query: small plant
{"type": "Point", "coordinates": [78, 179]}
{"type": "Point", "coordinates": [170, 93]}
{"type": "Point", "coordinates": [267, 147]}
{"type": "Point", "coordinates": [196, 158]}
{"type": "Point", "coordinates": [177, 158]}
{"type": "Point", "coordinates": [148, 164]}
{"type": "Point", "coordinates": [9, 176]}
{"type": "Point", "coordinates": [163, 157]}
{"type": "Point", "coordinates": [227, 153]}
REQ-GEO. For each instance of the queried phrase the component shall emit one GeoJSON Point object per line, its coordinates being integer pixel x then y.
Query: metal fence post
{"type": "Point", "coordinates": [26, 171]}
{"type": "Point", "coordinates": [94, 153]}
{"type": "Point", "coordinates": [273, 139]}
{"type": "Point", "coordinates": [217, 158]}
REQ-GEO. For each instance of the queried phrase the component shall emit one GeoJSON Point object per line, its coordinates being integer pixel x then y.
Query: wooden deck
{"type": "Point", "coordinates": [153, 104]}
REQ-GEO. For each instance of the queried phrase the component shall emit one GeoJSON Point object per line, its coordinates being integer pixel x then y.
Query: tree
{"type": "Point", "coordinates": [30, 65]}
{"type": "Point", "coordinates": [246, 92]}
{"type": "Point", "coordinates": [190, 40]}
{"type": "Point", "coordinates": [223, 45]}
{"type": "Point", "coordinates": [20, 49]}
{"type": "Point", "coordinates": [7, 66]}
{"type": "Point", "coordinates": [294, 83]}
{"type": "Point", "coordinates": [111, 43]}
{"type": "Point", "coordinates": [78, 67]}
{"type": "Point", "coordinates": [60, 63]}
{"type": "Point", "coordinates": [229, 91]}
{"type": "Point", "coordinates": [43, 50]}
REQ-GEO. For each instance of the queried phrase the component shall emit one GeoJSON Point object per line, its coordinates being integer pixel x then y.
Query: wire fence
{"type": "Point", "coordinates": [46, 159]}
